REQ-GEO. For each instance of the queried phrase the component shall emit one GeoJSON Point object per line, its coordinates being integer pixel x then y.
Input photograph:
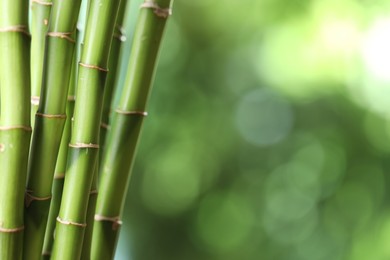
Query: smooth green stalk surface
{"type": "Point", "coordinates": [83, 152]}
{"type": "Point", "coordinates": [40, 12]}
{"type": "Point", "coordinates": [49, 122]}
{"type": "Point", "coordinates": [112, 78]}
{"type": "Point", "coordinates": [15, 130]}
{"type": "Point", "coordinates": [86, 250]}
{"type": "Point", "coordinates": [129, 22]}
{"type": "Point", "coordinates": [125, 129]}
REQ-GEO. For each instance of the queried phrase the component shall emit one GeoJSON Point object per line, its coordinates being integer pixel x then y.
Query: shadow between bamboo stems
{"type": "Point", "coordinates": [83, 150]}
{"type": "Point", "coordinates": [126, 125]}
{"type": "Point", "coordinates": [15, 130]}
{"type": "Point", "coordinates": [40, 12]}
{"type": "Point", "coordinates": [49, 122]}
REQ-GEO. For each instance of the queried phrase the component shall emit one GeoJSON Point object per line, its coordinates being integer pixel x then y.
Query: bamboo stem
{"type": "Point", "coordinates": [49, 122]}
{"type": "Point", "coordinates": [40, 11]}
{"type": "Point", "coordinates": [118, 38]}
{"type": "Point", "coordinates": [15, 130]}
{"type": "Point", "coordinates": [83, 149]}
{"type": "Point", "coordinates": [126, 126]}
{"type": "Point", "coordinates": [60, 169]}
{"type": "Point", "coordinates": [86, 250]}
{"type": "Point", "coordinates": [112, 78]}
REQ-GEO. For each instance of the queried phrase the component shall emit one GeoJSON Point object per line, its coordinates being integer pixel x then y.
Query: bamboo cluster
{"type": "Point", "coordinates": [56, 88]}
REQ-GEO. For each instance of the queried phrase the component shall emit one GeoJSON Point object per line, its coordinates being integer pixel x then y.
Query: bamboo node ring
{"type": "Point", "coordinates": [16, 28]}
{"type": "Point", "coordinates": [89, 66]}
{"type": "Point", "coordinates": [68, 222]}
{"type": "Point", "coordinates": [59, 175]}
{"type": "Point", "coordinates": [116, 221]}
{"type": "Point", "coordinates": [35, 100]}
{"type": "Point", "coordinates": [158, 11]}
{"type": "Point", "coordinates": [61, 116]}
{"type": "Point", "coordinates": [62, 35]}
{"type": "Point", "coordinates": [104, 125]}
{"type": "Point", "coordinates": [120, 33]}
{"type": "Point", "coordinates": [41, 2]}
{"type": "Point", "coordinates": [120, 37]}
{"type": "Point", "coordinates": [93, 192]}
{"type": "Point", "coordinates": [123, 112]}
{"type": "Point", "coordinates": [30, 198]}
{"type": "Point", "coordinates": [11, 230]}
{"type": "Point", "coordinates": [15, 127]}
{"type": "Point", "coordinates": [83, 145]}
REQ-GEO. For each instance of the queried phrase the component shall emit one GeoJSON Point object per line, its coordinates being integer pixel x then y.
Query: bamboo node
{"type": "Point", "coordinates": [62, 35]}
{"type": "Point", "coordinates": [68, 222]}
{"type": "Point", "coordinates": [123, 112]}
{"type": "Point", "coordinates": [41, 2]}
{"type": "Point", "coordinates": [71, 98]}
{"type": "Point", "coordinates": [11, 230]}
{"type": "Point", "coordinates": [83, 145]}
{"type": "Point", "coordinates": [30, 198]}
{"type": "Point", "coordinates": [92, 192]}
{"type": "Point", "coordinates": [104, 125]}
{"type": "Point", "coordinates": [158, 11]}
{"type": "Point", "coordinates": [15, 127]}
{"type": "Point", "coordinates": [116, 221]}
{"type": "Point", "coordinates": [89, 66]}
{"type": "Point", "coordinates": [16, 28]}
{"type": "Point", "coordinates": [60, 116]}
{"type": "Point", "coordinates": [120, 35]}
{"type": "Point", "coordinates": [59, 175]}
{"type": "Point", "coordinates": [35, 100]}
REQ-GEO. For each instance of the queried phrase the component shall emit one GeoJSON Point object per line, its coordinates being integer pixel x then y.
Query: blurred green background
{"type": "Point", "coordinates": [268, 135]}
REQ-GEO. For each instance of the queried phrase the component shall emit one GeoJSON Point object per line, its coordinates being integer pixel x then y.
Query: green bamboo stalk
{"type": "Point", "coordinates": [87, 242]}
{"type": "Point", "coordinates": [130, 19]}
{"type": "Point", "coordinates": [112, 78]}
{"type": "Point", "coordinates": [126, 126]}
{"type": "Point", "coordinates": [118, 38]}
{"type": "Point", "coordinates": [49, 122]}
{"type": "Point", "coordinates": [83, 149]}
{"type": "Point", "coordinates": [60, 169]}
{"type": "Point", "coordinates": [15, 130]}
{"type": "Point", "coordinates": [40, 12]}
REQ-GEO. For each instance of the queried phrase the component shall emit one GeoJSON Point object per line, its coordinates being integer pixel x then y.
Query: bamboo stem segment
{"type": "Point", "coordinates": [40, 13]}
{"type": "Point", "coordinates": [15, 130]}
{"type": "Point", "coordinates": [126, 126]}
{"type": "Point", "coordinates": [59, 175]}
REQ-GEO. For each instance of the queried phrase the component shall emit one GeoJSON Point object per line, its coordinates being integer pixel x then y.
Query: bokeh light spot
{"type": "Point", "coordinates": [263, 118]}
{"type": "Point", "coordinates": [290, 231]}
